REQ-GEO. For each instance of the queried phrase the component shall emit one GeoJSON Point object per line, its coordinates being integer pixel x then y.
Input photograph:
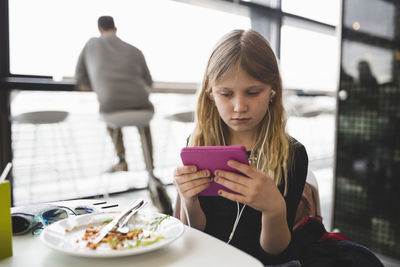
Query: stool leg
{"type": "Point", "coordinates": [33, 161]}
{"type": "Point", "coordinates": [109, 158]}
{"type": "Point", "coordinates": [147, 147]}
{"type": "Point", "coordinates": [55, 157]}
{"type": "Point", "coordinates": [118, 141]}
{"type": "Point", "coordinates": [72, 155]}
{"type": "Point", "coordinates": [158, 194]}
{"type": "Point", "coordinates": [102, 186]}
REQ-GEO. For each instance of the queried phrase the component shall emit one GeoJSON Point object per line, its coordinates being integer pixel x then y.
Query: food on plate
{"type": "Point", "coordinates": [141, 233]}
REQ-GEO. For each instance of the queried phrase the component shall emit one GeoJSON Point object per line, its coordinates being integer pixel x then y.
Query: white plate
{"type": "Point", "coordinates": [63, 235]}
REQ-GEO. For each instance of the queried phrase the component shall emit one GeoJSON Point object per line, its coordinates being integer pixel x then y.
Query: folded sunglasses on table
{"type": "Point", "coordinates": [33, 218]}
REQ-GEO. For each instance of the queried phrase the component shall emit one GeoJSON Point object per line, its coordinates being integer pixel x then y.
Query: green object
{"type": "Point", "coordinates": [5, 221]}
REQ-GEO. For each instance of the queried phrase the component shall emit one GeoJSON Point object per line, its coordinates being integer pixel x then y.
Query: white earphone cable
{"type": "Point", "coordinates": [183, 205]}
{"type": "Point", "coordinates": [238, 215]}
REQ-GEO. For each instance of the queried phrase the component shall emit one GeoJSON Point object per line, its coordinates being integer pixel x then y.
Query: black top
{"type": "Point", "coordinates": [221, 213]}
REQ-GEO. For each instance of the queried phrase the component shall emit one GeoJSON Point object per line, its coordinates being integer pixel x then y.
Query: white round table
{"type": "Point", "coordinates": [193, 248]}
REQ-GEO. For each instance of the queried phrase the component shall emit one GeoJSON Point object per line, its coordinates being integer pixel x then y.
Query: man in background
{"type": "Point", "coordinates": [118, 73]}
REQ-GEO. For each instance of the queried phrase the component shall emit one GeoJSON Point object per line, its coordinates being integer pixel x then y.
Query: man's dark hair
{"type": "Point", "coordinates": [106, 23]}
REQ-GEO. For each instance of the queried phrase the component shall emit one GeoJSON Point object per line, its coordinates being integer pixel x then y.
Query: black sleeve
{"type": "Point", "coordinates": [297, 174]}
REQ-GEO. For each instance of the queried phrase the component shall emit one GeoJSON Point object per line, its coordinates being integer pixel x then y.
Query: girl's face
{"type": "Point", "coordinates": [241, 100]}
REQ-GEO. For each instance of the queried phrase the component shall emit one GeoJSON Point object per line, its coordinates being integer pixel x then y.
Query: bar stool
{"type": "Point", "coordinates": [141, 120]}
{"type": "Point", "coordinates": [40, 118]}
{"type": "Point", "coordinates": [187, 116]}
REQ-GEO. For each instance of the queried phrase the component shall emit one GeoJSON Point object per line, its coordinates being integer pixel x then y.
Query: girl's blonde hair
{"type": "Point", "coordinates": [252, 52]}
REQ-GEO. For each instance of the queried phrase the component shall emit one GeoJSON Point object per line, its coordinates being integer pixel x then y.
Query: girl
{"type": "Point", "coordinates": [240, 103]}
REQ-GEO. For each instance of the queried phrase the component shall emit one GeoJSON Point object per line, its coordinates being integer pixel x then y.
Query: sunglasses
{"type": "Point", "coordinates": [24, 222]}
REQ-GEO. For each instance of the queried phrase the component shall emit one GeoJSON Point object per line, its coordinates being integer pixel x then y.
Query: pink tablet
{"type": "Point", "coordinates": [213, 158]}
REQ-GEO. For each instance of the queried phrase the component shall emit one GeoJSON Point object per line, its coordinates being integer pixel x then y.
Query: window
{"type": "Point", "coordinates": [309, 58]}
{"type": "Point", "coordinates": [364, 19]}
{"type": "Point", "coordinates": [326, 11]}
{"type": "Point", "coordinates": [176, 38]}
{"type": "Point", "coordinates": [379, 60]}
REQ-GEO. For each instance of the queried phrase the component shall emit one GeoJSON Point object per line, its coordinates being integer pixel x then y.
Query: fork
{"type": "Point", "coordinates": [123, 228]}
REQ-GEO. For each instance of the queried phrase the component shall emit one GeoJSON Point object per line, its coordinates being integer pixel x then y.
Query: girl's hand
{"type": "Point", "coordinates": [257, 190]}
{"type": "Point", "coordinates": [190, 181]}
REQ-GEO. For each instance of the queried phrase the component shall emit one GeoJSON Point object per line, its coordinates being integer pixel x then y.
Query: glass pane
{"type": "Point", "coordinates": [326, 11]}
{"type": "Point", "coordinates": [309, 59]}
{"type": "Point", "coordinates": [378, 60]}
{"type": "Point", "coordinates": [175, 37]}
{"type": "Point", "coordinates": [365, 19]}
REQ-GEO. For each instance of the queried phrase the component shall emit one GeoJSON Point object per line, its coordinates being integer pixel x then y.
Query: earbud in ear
{"type": "Point", "coordinates": [273, 93]}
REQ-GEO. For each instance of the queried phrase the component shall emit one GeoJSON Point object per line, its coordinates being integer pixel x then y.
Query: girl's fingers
{"type": "Point", "coordinates": [194, 183]}
{"type": "Point", "coordinates": [234, 177]}
{"type": "Point", "coordinates": [232, 196]}
{"type": "Point", "coordinates": [185, 170]}
{"type": "Point", "coordinates": [185, 178]}
{"type": "Point", "coordinates": [195, 190]}
{"type": "Point", "coordinates": [190, 181]}
{"type": "Point", "coordinates": [231, 184]}
{"type": "Point", "coordinates": [246, 169]}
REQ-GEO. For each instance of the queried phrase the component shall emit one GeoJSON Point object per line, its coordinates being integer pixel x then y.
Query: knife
{"type": "Point", "coordinates": [106, 229]}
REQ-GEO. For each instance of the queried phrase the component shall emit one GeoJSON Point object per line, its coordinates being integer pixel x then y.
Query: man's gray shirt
{"type": "Point", "coordinates": [116, 71]}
